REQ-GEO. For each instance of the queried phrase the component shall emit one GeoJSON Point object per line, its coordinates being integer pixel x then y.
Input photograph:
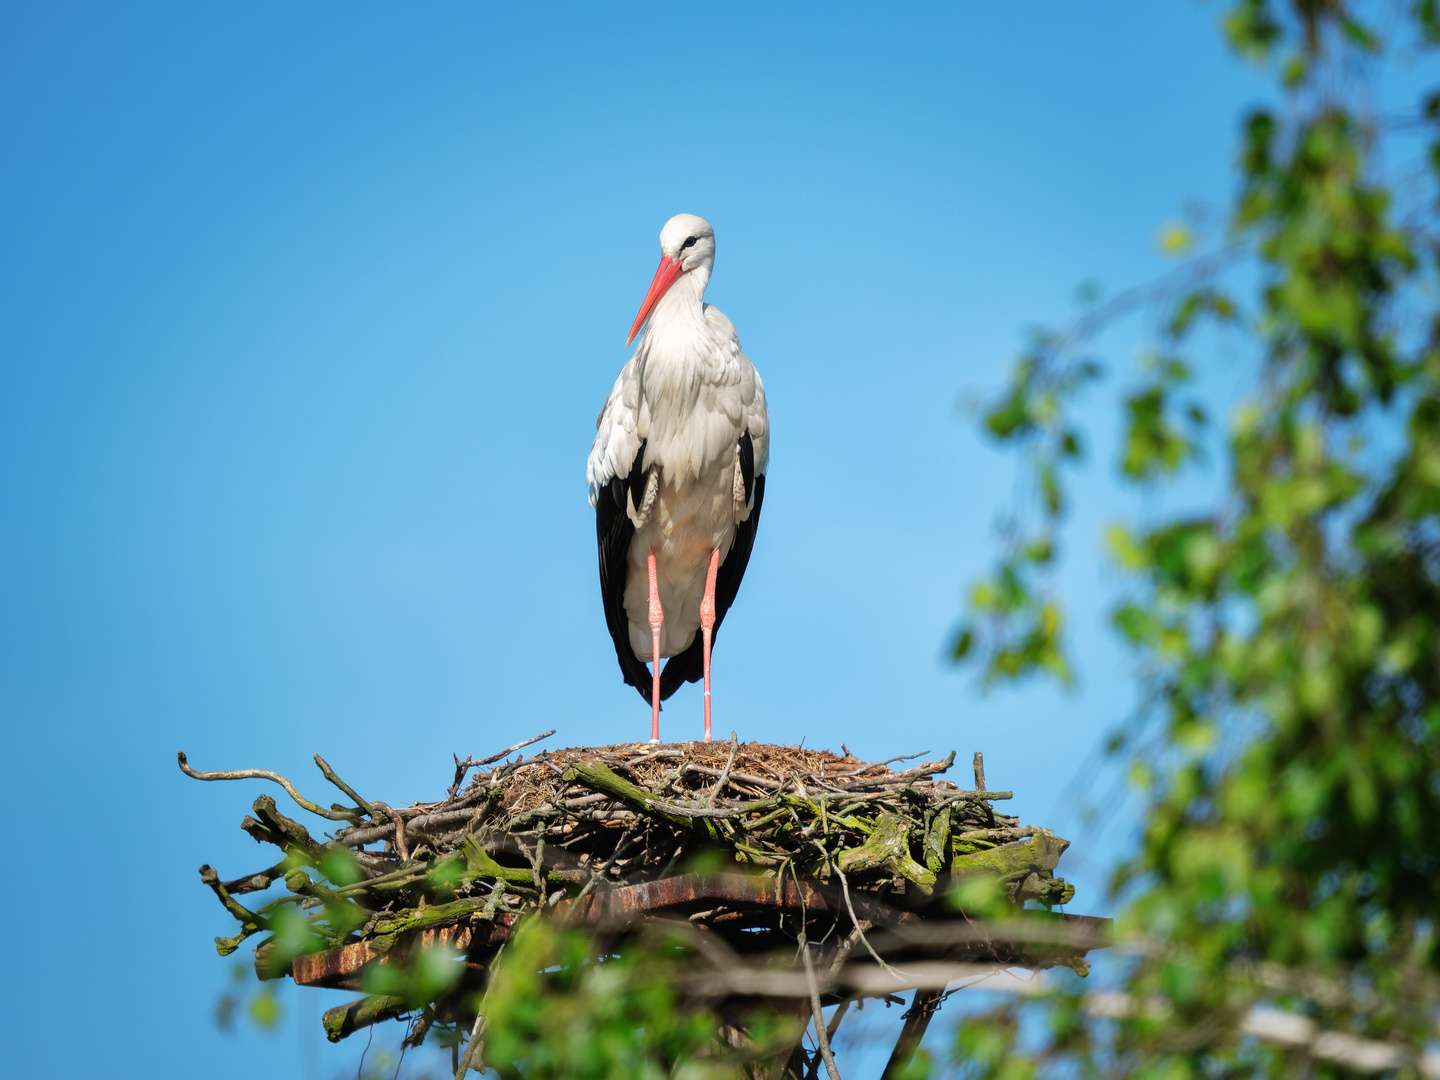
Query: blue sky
{"type": "Point", "coordinates": [306, 312]}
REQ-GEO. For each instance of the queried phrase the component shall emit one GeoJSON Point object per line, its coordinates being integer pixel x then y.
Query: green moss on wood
{"type": "Point", "coordinates": [601, 778]}
{"type": "Point", "coordinates": [345, 1019]}
{"type": "Point", "coordinates": [428, 918]}
{"type": "Point", "coordinates": [888, 848]}
{"type": "Point", "coordinates": [1023, 866]}
{"type": "Point", "coordinates": [937, 840]}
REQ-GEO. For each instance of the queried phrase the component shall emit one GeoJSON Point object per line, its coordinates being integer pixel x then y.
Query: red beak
{"type": "Point", "coordinates": [669, 273]}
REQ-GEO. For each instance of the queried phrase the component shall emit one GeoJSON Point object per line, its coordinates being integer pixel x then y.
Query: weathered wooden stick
{"type": "Point", "coordinates": [294, 834]}
{"type": "Point", "coordinates": [329, 774]}
{"type": "Point", "coordinates": [370, 834]}
{"type": "Point", "coordinates": [464, 1062]}
{"type": "Point", "coordinates": [257, 882]}
{"type": "Point", "coordinates": [725, 772]}
{"type": "Point", "coordinates": [744, 778]}
{"type": "Point", "coordinates": [251, 922]}
{"type": "Point", "coordinates": [262, 774]}
{"type": "Point", "coordinates": [817, 1016]}
{"type": "Point", "coordinates": [978, 797]}
{"type": "Point", "coordinates": [930, 768]}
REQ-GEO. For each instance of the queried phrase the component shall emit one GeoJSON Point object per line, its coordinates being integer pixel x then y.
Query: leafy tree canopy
{"type": "Point", "coordinates": [1279, 913]}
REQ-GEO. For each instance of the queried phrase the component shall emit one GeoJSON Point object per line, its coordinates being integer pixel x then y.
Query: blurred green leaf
{"type": "Point", "coordinates": [1174, 238]}
{"type": "Point", "coordinates": [264, 1009]}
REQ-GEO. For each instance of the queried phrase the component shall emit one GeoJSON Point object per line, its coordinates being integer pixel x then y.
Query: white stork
{"type": "Point", "coordinates": [677, 475]}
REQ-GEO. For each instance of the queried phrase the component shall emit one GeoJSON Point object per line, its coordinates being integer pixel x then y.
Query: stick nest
{"type": "Point", "coordinates": [564, 830]}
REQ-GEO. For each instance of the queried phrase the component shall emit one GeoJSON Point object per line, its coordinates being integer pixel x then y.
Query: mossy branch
{"type": "Point", "coordinates": [345, 1020]}
{"type": "Point", "coordinates": [888, 848]}
{"type": "Point", "coordinates": [601, 778]}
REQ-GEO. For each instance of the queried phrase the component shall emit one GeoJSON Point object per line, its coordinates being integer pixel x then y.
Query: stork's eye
{"type": "Point", "coordinates": [689, 242]}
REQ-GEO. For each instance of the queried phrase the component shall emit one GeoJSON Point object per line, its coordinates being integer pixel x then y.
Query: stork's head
{"type": "Point", "coordinates": [690, 240]}
{"type": "Point", "coordinates": [687, 246]}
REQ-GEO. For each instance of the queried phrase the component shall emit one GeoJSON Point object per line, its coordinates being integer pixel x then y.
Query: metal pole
{"type": "Point", "coordinates": [917, 1019]}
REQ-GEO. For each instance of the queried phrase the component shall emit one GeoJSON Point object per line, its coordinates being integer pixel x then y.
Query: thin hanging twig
{"type": "Point", "coordinates": [859, 926]}
{"type": "Point", "coordinates": [816, 1014]}
{"type": "Point", "coordinates": [476, 1044]}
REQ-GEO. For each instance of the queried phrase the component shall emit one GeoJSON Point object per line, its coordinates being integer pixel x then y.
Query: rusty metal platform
{"type": "Point", "coordinates": [752, 915]}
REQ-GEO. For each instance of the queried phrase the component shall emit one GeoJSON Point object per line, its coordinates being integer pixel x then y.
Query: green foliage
{"type": "Point", "coordinates": [425, 979]}
{"type": "Point", "coordinates": [558, 1013]}
{"type": "Point", "coordinates": [259, 1005]}
{"type": "Point", "coordinates": [1018, 627]}
{"type": "Point", "coordinates": [982, 897]}
{"type": "Point", "coordinates": [1155, 444]}
{"type": "Point", "coordinates": [1288, 639]}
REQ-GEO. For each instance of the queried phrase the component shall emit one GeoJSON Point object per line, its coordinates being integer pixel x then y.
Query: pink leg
{"type": "Point", "coordinates": [657, 620]}
{"type": "Point", "coordinates": [707, 627]}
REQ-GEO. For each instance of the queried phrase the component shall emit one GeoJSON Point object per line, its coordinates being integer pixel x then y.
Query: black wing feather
{"type": "Point", "coordinates": [746, 452]}
{"type": "Point", "coordinates": [689, 666]}
{"type": "Point", "coordinates": [613, 532]}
